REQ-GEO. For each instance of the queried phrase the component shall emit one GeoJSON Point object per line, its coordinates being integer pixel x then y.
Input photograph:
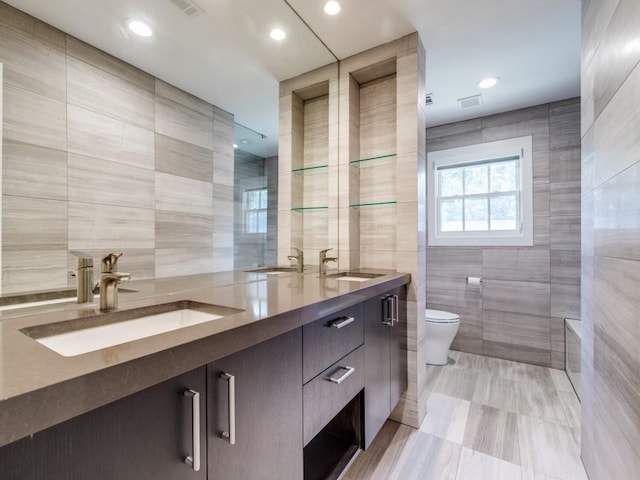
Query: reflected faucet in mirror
{"type": "Point", "coordinates": [299, 257]}
{"type": "Point", "coordinates": [322, 269]}
{"type": "Point", "coordinates": [109, 281]}
{"type": "Point", "coordinates": [84, 276]}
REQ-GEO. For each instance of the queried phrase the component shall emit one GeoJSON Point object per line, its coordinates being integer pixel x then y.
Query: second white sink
{"type": "Point", "coordinates": [86, 340]}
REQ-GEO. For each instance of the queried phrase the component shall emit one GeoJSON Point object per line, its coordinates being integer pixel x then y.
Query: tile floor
{"type": "Point", "coordinates": [488, 419]}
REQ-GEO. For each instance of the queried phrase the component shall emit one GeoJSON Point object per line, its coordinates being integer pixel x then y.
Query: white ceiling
{"type": "Point", "coordinates": [226, 57]}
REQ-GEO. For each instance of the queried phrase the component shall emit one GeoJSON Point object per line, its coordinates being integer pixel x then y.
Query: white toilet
{"type": "Point", "coordinates": [441, 329]}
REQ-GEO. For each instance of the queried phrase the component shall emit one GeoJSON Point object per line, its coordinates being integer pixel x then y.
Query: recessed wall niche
{"type": "Point", "coordinates": [308, 169]}
{"type": "Point", "coordinates": [372, 160]}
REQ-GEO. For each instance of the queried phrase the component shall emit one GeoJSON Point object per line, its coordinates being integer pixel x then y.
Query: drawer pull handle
{"type": "Point", "coordinates": [343, 377]}
{"type": "Point", "coordinates": [194, 461]}
{"type": "Point", "coordinates": [231, 434]}
{"type": "Point", "coordinates": [340, 322]}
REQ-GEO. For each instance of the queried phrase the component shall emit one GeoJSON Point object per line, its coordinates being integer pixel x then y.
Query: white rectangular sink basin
{"type": "Point", "coordinates": [70, 344]}
{"type": "Point", "coordinates": [353, 279]}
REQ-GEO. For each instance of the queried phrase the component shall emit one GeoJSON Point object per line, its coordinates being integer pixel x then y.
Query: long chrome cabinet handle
{"type": "Point", "coordinates": [194, 461]}
{"type": "Point", "coordinates": [387, 310]}
{"type": "Point", "coordinates": [340, 322]}
{"type": "Point", "coordinates": [396, 309]}
{"type": "Point", "coordinates": [343, 377]}
{"type": "Point", "coordinates": [231, 434]}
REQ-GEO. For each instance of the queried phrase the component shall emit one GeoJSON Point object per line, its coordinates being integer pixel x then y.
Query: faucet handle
{"type": "Point", "coordinates": [109, 262]}
{"type": "Point", "coordinates": [84, 259]}
{"type": "Point", "coordinates": [325, 250]}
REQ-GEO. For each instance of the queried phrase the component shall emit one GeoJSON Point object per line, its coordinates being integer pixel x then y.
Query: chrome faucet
{"type": "Point", "coordinates": [299, 257]}
{"type": "Point", "coordinates": [324, 260]}
{"type": "Point", "coordinates": [84, 276]}
{"type": "Point", "coordinates": [109, 280]}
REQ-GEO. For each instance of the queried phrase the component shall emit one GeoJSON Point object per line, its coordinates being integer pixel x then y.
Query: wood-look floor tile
{"type": "Point", "coordinates": [493, 431]}
{"type": "Point", "coordinates": [526, 373]}
{"type": "Point", "coordinates": [455, 383]}
{"type": "Point", "coordinates": [571, 407]}
{"type": "Point", "coordinates": [446, 417]}
{"type": "Point", "coordinates": [427, 457]}
{"type": "Point", "coordinates": [560, 380]}
{"type": "Point", "coordinates": [379, 461]}
{"type": "Point", "coordinates": [495, 392]}
{"type": "Point", "coordinates": [476, 465]}
{"type": "Point", "coordinates": [550, 448]}
{"type": "Point", "coordinates": [539, 402]}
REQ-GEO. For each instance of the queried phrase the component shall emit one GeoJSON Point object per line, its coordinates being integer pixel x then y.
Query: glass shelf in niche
{"type": "Point", "coordinates": [308, 209]}
{"type": "Point", "coordinates": [313, 169]}
{"type": "Point", "coordinates": [372, 204]}
{"type": "Point", "coordinates": [371, 159]}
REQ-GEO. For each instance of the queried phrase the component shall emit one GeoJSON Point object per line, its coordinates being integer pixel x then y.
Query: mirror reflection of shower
{"type": "Point", "coordinates": [255, 200]}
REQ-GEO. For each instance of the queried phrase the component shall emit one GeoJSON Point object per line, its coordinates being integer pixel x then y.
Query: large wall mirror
{"type": "Point", "coordinates": [221, 54]}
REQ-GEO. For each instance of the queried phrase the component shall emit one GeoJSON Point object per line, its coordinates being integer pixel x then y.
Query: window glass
{"type": "Point", "coordinates": [503, 212]}
{"type": "Point", "coordinates": [451, 182]}
{"type": "Point", "coordinates": [503, 176]}
{"type": "Point", "coordinates": [255, 210]}
{"type": "Point", "coordinates": [476, 214]}
{"type": "Point", "coordinates": [476, 180]}
{"type": "Point", "coordinates": [451, 215]}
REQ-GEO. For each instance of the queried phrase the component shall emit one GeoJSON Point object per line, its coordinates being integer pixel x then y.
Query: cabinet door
{"type": "Point", "coordinates": [377, 391]}
{"type": "Point", "coordinates": [268, 412]}
{"type": "Point", "coordinates": [385, 358]}
{"type": "Point", "coordinates": [144, 436]}
{"type": "Point", "coordinates": [398, 349]}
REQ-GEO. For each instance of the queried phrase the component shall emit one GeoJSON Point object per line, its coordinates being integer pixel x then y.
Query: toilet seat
{"type": "Point", "coordinates": [440, 316]}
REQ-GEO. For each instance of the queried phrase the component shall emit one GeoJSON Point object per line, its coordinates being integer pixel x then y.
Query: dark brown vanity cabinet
{"type": "Point", "coordinates": [255, 412]}
{"type": "Point", "coordinates": [385, 334]}
{"type": "Point", "coordinates": [147, 435]}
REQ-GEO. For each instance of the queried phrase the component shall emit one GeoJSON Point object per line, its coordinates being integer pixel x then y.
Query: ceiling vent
{"type": "Point", "coordinates": [468, 102]}
{"type": "Point", "coordinates": [429, 99]}
{"type": "Point", "coordinates": [188, 7]}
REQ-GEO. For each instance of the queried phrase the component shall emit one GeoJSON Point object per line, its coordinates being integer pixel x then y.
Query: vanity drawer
{"type": "Point", "coordinates": [327, 340]}
{"type": "Point", "coordinates": [329, 392]}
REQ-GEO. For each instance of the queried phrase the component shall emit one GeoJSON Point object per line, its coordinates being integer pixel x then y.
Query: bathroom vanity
{"type": "Point", "coordinates": [298, 368]}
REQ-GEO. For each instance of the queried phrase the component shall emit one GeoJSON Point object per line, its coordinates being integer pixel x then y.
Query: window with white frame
{"type": "Point", "coordinates": [482, 194]}
{"type": "Point", "coordinates": [254, 203]}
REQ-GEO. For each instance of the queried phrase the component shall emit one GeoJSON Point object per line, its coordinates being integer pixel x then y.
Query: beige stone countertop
{"type": "Point", "coordinates": [40, 388]}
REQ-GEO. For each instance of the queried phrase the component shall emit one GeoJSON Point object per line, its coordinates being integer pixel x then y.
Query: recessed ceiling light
{"type": "Point", "coordinates": [235, 145]}
{"type": "Point", "coordinates": [278, 34]}
{"type": "Point", "coordinates": [332, 7]}
{"type": "Point", "coordinates": [140, 28]}
{"type": "Point", "coordinates": [488, 82]}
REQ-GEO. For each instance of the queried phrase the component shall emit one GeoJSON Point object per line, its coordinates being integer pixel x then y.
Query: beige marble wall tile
{"type": "Point", "coordinates": [613, 65]}
{"type": "Point", "coordinates": [175, 120]}
{"type": "Point", "coordinates": [33, 118]}
{"type": "Point", "coordinates": [564, 164]}
{"type": "Point", "coordinates": [316, 131]}
{"type": "Point", "coordinates": [172, 262]}
{"type": "Point", "coordinates": [537, 126]}
{"type": "Point", "coordinates": [222, 132]}
{"type": "Point", "coordinates": [32, 171]}
{"type": "Point", "coordinates": [165, 90]}
{"type": "Point", "coordinates": [519, 264]}
{"type": "Point", "coordinates": [452, 291]}
{"type": "Point", "coordinates": [108, 63]}
{"type": "Point", "coordinates": [223, 169]}
{"type": "Point", "coordinates": [93, 89]}
{"type": "Point", "coordinates": [616, 216]}
{"type": "Point", "coordinates": [517, 297]}
{"type": "Point", "coordinates": [182, 230]}
{"type": "Point", "coordinates": [378, 117]}
{"type": "Point", "coordinates": [454, 262]}
{"type": "Point", "coordinates": [564, 124]}
{"type": "Point", "coordinates": [518, 353]}
{"type": "Point", "coordinates": [528, 330]}
{"type": "Point", "coordinates": [542, 161]}
{"type": "Point", "coordinates": [28, 270]}
{"type": "Point", "coordinates": [184, 159]}
{"type": "Point", "coordinates": [222, 259]}
{"type": "Point", "coordinates": [110, 227]}
{"type": "Point", "coordinates": [469, 336]}
{"type": "Point", "coordinates": [32, 54]}
{"type": "Point", "coordinates": [616, 138]}
{"type": "Point", "coordinates": [565, 233]}
{"type": "Point", "coordinates": [453, 135]}
{"type": "Point", "coordinates": [102, 137]}
{"type": "Point", "coordinates": [33, 224]}
{"type": "Point", "coordinates": [565, 198]}
{"type": "Point", "coordinates": [93, 180]}
{"type": "Point", "coordinates": [180, 194]}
